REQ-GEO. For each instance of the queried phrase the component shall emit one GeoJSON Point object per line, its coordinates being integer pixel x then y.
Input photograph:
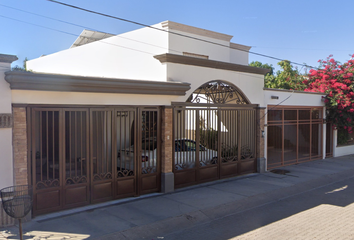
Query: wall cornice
{"type": "Point", "coordinates": [54, 82]}
{"type": "Point", "coordinates": [7, 58]}
{"type": "Point", "coordinates": [180, 59]}
{"type": "Point", "coordinates": [292, 91]}
{"type": "Point", "coordinates": [240, 47]}
{"type": "Point", "coordinates": [194, 30]}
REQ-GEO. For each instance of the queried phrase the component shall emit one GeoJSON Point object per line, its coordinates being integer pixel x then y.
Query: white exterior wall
{"type": "Point", "coordinates": [250, 84]}
{"type": "Point", "coordinates": [239, 57]}
{"type": "Point", "coordinates": [295, 98]}
{"type": "Point", "coordinates": [179, 44]}
{"type": "Point", "coordinates": [341, 150]}
{"type": "Point", "coordinates": [78, 98]}
{"type": "Point", "coordinates": [128, 55]}
{"type": "Point", "coordinates": [6, 162]}
{"type": "Point", "coordinates": [5, 91]}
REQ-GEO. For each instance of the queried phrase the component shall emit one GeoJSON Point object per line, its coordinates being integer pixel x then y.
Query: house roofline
{"type": "Point", "coordinates": [186, 60]}
{"type": "Point", "coordinates": [239, 47]}
{"type": "Point", "coordinates": [68, 83]}
{"type": "Point", "coordinates": [170, 25]}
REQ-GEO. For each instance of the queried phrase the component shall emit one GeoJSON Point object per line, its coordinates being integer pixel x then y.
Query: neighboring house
{"type": "Point", "coordinates": [147, 111]}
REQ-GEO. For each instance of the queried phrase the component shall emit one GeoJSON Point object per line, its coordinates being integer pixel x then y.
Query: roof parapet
{"type": "Point", "coordinates": [194, 30]}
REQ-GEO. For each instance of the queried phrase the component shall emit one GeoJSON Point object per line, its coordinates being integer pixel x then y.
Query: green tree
{"type": "Point", "coordinates": [23, 68]}
{"type": "Point", "coordinates": [269, 77]}
{"type": "Point", "coordinates": [287, 78]}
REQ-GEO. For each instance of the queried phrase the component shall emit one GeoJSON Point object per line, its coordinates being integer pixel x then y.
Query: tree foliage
{"type": "Point", "coordinates": [23, 68]}
{"type": "Point", "coordinates": [270, 75]}
{"type": "Point", "coordinates": [337, 82]}
{"type": "Point", "coordinates": [287, 78]}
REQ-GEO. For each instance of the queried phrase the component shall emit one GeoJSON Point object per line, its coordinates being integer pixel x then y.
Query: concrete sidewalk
{"type": "Point", "coordinates": [155, 215]}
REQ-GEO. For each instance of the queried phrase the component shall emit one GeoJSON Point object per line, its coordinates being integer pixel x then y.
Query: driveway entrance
{"type": "Point", "coordinates": [214, 135]}
{"type": "Point", "coordinates": [89, 155]}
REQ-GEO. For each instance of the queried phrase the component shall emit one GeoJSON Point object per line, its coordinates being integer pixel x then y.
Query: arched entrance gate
{"type": "Point", "coordinates": [214, 135]}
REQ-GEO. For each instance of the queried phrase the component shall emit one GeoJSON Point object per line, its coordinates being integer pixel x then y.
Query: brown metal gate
{"type": "Point", "coordinates": [294, 135]}
{"type": "Point", "coordinates": [90, 155]}
{"type": "Point", "coordinates": [213, 143]}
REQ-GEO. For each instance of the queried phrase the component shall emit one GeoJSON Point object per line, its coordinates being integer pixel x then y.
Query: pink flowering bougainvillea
{"type": "Point", "coordinates": [337, 82]}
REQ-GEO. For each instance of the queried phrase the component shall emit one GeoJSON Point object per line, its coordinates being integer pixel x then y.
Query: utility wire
{"type": "Point", "coordinates": [163, 30]}
{"type": "Point", "coordinates": [72, 34]}
{"type": "Point", "coordinates": [85, 27]}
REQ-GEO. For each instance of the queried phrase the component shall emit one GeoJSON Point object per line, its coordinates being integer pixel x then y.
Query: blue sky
{"type": "Point", "coordinates": [299, 31]}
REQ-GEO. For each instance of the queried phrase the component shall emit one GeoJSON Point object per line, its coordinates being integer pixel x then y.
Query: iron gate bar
{"type": "Point", "coordinates": [75, 186]}
{"type": "Point", "coordinates": [197, 139]}
{"type": "Point", "coordinates": [101, 165]}
{"type": "Point", "coordinates": [138, 147]}
{"type": "Point", "coordinates": [219, 160]}
{"type": "Point", "coordinates": [32, 114]}
{"type": "Point", "coordinates": [239, 139]}
{"type": "Point", "coordinates": [125, 175]}
{"type": "Point", "coordinates": [148, 179]}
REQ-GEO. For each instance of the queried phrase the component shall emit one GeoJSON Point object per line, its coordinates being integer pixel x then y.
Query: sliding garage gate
{"type": "Point", "coordinates": [213, 142]}
{"type": "Point", "coordinates": [89, 155]}
{"type": "Point", "coordinates": [294, 135]}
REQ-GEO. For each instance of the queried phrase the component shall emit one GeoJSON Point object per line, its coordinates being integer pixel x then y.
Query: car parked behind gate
{"type": "Point", "coordinates": [185, 157]}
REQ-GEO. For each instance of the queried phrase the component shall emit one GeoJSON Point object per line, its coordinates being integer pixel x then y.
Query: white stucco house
{"type": "Point", "coordinates": [146, 111]}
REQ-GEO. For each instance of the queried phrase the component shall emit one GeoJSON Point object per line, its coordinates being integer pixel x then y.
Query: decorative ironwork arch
{"type": "Point", "coordinates": [218, 92]}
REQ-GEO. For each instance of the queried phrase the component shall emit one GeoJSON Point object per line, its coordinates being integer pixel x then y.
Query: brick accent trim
{"type": "Point", "coordinates": [19, 132]}
{"type": "Point", "coordinates": [260, 127]}
{"type": "Point", "coordinates": [167, 134]}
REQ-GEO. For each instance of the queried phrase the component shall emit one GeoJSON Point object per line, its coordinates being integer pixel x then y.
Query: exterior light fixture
{"type": "Point", "coordinates": [274, 97]}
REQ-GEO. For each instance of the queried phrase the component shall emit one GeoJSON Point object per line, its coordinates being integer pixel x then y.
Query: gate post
{"type": "Point", "coordinates": [260, 138]}
{"type": "Point", "coordinates": [167, 176]}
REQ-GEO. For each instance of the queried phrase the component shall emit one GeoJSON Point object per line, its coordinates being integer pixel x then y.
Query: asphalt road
{"type": "Point", "coordinates": [322, 213]}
